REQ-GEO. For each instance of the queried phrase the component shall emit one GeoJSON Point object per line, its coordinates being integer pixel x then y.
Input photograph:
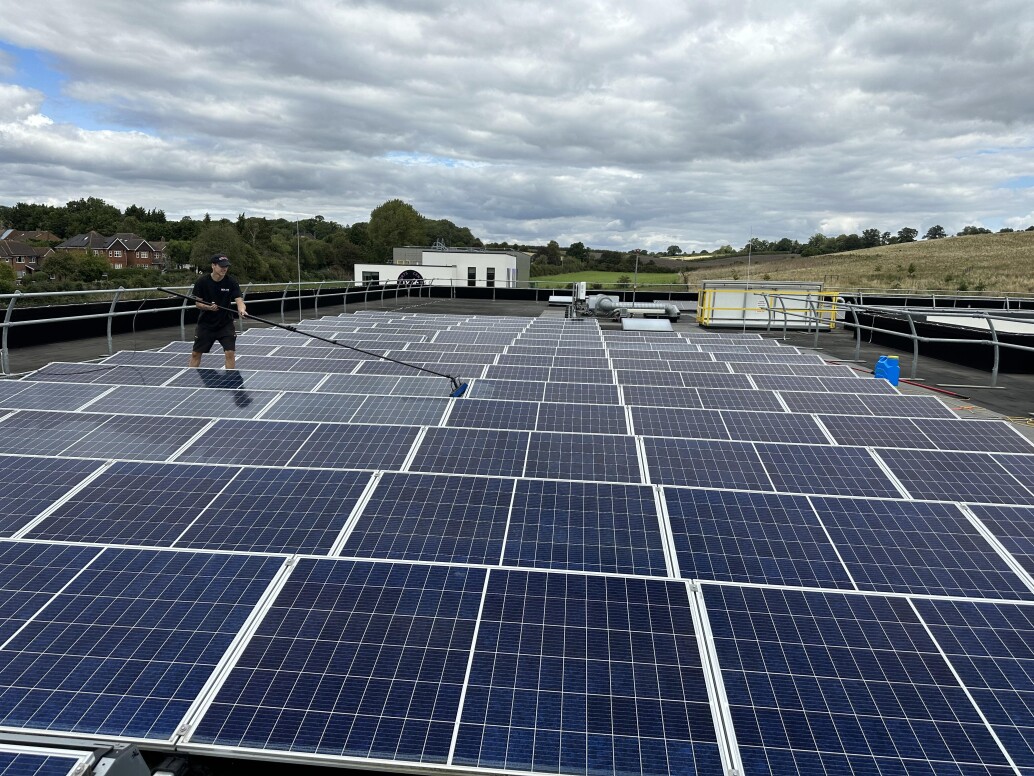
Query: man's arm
{"type": "Point", "coordinates": [241, 309]}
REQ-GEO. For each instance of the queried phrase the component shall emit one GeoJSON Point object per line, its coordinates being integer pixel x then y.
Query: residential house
{"type": "Point", "coordinates": [23, 259]}
{"type": "Point", "coordinates": [36, 234]}
{"type": "Point", "coordinates": [122, 250]}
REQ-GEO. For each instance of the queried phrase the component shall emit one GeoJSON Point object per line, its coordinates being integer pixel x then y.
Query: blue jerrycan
{"type": "Point", "coordinates": [888, 368]}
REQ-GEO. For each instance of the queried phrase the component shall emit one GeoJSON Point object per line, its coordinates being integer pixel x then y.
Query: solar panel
{"type": "Point", "coordinates": [877, 432]}
{"type": "Point", "coordinates": [570, 674]}
{"type": "Point", "coordinates": [507, 389]}
{"type": "Point", "coordinates": [30, 574]}
{"type": "Point", "coordinates": [834, 683]}
{"type": "Point", "coordinates": [986, 436]}
{"type": "Point", "coordinates": [493, 413]}
{"type": "Point", "coordinates": [536, 374]}
{"type": "Point", "coordinates": [841, 471]}
{"type": "Point", "coordinates": [37, 761]}
{"type": "Point", "coordinates": [585, 418]}
{"type": "Point", "coordinates": [340, 446]}
{"type": "Point", "coordinates": [51, 396]}
{"type": "Point", "coordinates": [950, 476]}
{"type": "Point", "coordinates": [915, 547]}
{"type": "Point", "coordinates": [773, 427]}
{"type": "Point", "coordinates": [434, 518]}
{"type": "Point", "coordinates": [831, 403]}
{"type": "Point", "coordinates": [137, 438]}
{"type": "Point", "coordinates": [561, 525]}
{"type": "Point", "coordinates": [36, 432]}
{"type": "Point", "coordinates": [581, 393]}
{"type": "Point", "coordinates": [759, 538]}
{"type": "Point", "coordinates": [133, 503]}
{"type": "Point", "coordinates": [472, 451]}
{"type": "Point", "coordinates": [661, 396]}
{"type": "Point", "coordinates": [354, 659]}
{"type": "Point", "coordinates": [988, 644]}
{"type": "Point", "coordinates": [674, 422]}
{"type": "Point", "coordinates": [717, 399]}
{"type": "Point", "coordinates": [397, 410]}
{"type": "Point", "coordinates": [250, 381]}
{"type": "Point", "coordinates": [648, 377]}
{"type": "Point", "coordinates": [126, 647]}
{"type": "Point", "coordinates": [141, 400]}
{"type": "Point", "coordinates": [598, 457]}
{"type": "Point", "coordinates": [1013, 527]}
{"type": "Point", "coordinates": [285, 510]}
{"type": "Point", "coordinates": [30, 485]}
{"type": "Point", "coordinates": [907, 406]}
{"type": "Point", "coordinates": [708, 464]}
{"type": "Point", "coordinates": [715, 380]}
{"type": "Point", "coordinates": [253, 442]}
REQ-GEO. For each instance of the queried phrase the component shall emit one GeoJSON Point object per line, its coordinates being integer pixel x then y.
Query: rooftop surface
{"type": "Point", "coordinates": [620, 552]}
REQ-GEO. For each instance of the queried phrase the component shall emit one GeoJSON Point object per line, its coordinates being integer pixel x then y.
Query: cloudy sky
{"type": "Point", "coordinates": [627, 123]}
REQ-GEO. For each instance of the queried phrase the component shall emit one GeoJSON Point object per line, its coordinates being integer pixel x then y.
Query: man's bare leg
{"type": "Point", "coordinates": [231, 359]}
{"type": "Point", "coordinates": [195, 360]}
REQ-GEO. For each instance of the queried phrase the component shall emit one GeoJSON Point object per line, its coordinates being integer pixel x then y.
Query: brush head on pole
{"type": "Point", "coordinates": [460, 389]}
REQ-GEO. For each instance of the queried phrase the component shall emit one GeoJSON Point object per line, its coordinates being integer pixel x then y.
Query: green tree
{"type": "Point", "coordinates": [907, 234]}
{"type": "Point", "coordinates": [394, 224]}
{"type": "Point", "coordinates": [73, 266]}
{"type": "Point", "coordinates": [7, 278]}
{"type": "Point", "coordinates": [673, 250]}
{"type": "Point", "coordinates": [576, 251]}
{"type": "Point", "coordinates": [92, 214]}
{"type": "Point", "coordinates": [871, 238]}
{"type": "Point", "coordinates": [935, 233]}
{"type": "Point", "coordinates": [968, 230]}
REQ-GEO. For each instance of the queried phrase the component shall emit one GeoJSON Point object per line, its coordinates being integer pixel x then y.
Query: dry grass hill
{"type": "Point", "coordinates": [996, 263]}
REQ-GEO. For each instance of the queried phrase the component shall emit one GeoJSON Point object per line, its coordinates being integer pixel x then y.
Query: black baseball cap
{"type": "Point", "coordinates": [221, 260]}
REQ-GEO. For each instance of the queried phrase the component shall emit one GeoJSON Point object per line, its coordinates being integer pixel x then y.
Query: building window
{"type": "Point", "coordinates": [371, 278]}
{"type": "Point", "coordinates": [143, 254]}
{"type": "Point", "coordinates": [115, 254]}
{"type": "Point", "coordinates": [490, 277]}
{"type": "Point", "coordinates": [116, 266]}
{"type": "Point", "coordinates": [31, 260]}
{"type": "Point", "coordinates": [472, 276]}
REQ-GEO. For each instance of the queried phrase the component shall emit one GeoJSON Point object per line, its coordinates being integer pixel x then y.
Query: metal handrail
{"type": "Point", "coordinates": [910, 315]}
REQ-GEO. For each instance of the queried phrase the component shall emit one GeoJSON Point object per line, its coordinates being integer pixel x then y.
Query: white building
{"type": "Point", "coordinates": [442, 266]}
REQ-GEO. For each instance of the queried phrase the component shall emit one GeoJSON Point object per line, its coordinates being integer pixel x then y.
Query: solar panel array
{"type": "Point", "coordinates": [621, 552]}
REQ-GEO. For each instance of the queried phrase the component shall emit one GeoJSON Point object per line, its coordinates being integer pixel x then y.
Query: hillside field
{"type": "Point", "coordinates": [997, 263]}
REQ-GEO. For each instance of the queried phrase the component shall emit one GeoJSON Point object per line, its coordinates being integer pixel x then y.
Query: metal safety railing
{"type": "Point", "coordinates": [912, 316]}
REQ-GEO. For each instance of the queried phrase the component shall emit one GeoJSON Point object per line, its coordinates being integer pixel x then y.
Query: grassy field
{"type": "Point", "coordinates": [984, 262]}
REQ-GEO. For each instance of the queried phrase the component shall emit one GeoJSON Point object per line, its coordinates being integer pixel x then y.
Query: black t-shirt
{"type": "Point", "coordinates": [223, 293]}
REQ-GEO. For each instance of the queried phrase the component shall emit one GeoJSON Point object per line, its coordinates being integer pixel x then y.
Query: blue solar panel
{"type": "Point", "coordinates": [494, 413]}
{"type": "Point", "coordinates": [250, 381]}
{"type": "Point", "coordinates": [141, 399]}
{"type": "Point", "coordinates": [839, 471]}
{"type": "Point", "coordinates": [833, 683]}
{"type": "Point", "coordinates": [563, 525]}
{"type": "Point", "coordinates": [472, 451]}
{"type": "Point", "coordinates": [584, 418]}
{"type": "Point", "coordinates": [126, 648]}
{"type": "Point", "coordinates": [597, 457]}
{"type": "Point", "coordinates": [505, 389]}
{"type": "Point", "coordinates": [248, 442]}
{"type": "Point", "coordinates": [287, 510]}
{"type": "Point", "coordinates": [989, 645]}
{"type": "Point", "coordinates": [773, 427]}
{"type": "Point", "coordinates": [720, 399]}
{"type": "Point", "coordinates": [30, 485]}
{"type": "Point", "coordinates": [986, 436]}
{"type": "Point", "coordinates": [45, 433]}
{"type": "Point", "coordinates": [1013, 527]}
{"type": "Point", "coordinates": [708, 464]}
{"type": "Point", "coordinates": [340, 446]}
{"type": "Point", "coordinates": [316, 407]}
{"type": "Point", "coordinates": [832, 403]}
{"type": "Point", "coordinates": [661, 396]}
{"type": "Point", "coordinates": [675, 422]}
{"type": "Point", "coordinates": [24, 762]}
{"type": "Point", "coordinates": [354, 659]}
{"type": "Point", "coordinates": [906, 406]}
{"type": "Point", "coordinates": [433, 518]}
{"type": "Point", "coordinates": [30, 573]}
{"type": "Point", "coordinates": [50, 396]}
{"type": "Point", "coordinates": [581, 393]}
{"type": "Point", "coordinates": [134, 503]}
{"type": "Point", "coordinates": [137, 438]}
{"type": "Point", "coordinates": [586, 675]}
{"type": "Point", "coordinates": [913, 547]}
{"type": "Point", "coordinates": [949, 476]}
{"type": "Point", "coordinates": [875, 432]}
{"type": "Point", "coordinates": [760, 538]}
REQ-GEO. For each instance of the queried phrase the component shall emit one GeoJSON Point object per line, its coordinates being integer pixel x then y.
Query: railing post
{"type": "Point", "coordinates": [994, 339]}
{"type": "Point", "coordinates": [316, 309]}
{"type": "Point", "coordinates": [283, 301]}
{"type": "Point", "coordinates": [857, 334]}
{"type": "Point", "coordinates": [5, 361]}
{"type": "Point", "coordinates": [111, 317]}
{"type": "Point", "coordinates": [786, 314]}
{"type": "Point", "coordinates": [240, 321]}
{"type": "Point", "coordinates": [183, 320]}
{"type": "Point", "coordinates": [915, 344]}
{"type": "Point", "coordinates": [816, 303]}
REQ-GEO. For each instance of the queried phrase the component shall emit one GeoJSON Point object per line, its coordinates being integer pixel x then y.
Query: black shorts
{"type": "Point", "coordinates": [205, 336]}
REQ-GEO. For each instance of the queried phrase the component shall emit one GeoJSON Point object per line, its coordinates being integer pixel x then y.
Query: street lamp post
{"type": "Point", "coordinates": [298, 236]}
{"type": "Point", "coordinates": [635, 278]}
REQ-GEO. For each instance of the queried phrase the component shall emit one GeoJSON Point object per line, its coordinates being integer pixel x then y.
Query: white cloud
{"type": "Point", "coordinates": [614, 123]}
